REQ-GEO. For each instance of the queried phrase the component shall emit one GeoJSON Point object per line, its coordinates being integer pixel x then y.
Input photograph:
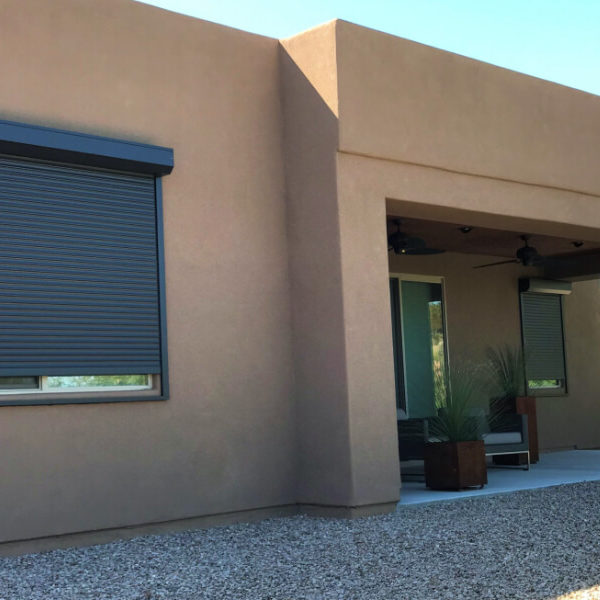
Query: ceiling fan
{"type": "Point", "coordinates": [526, 255]}
{"type": "Point", "coordinates": [402, 243]}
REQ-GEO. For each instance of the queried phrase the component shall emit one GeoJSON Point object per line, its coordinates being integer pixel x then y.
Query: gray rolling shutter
{"type": "Point", "coordinates": [78, 271]}
{"type": "Point", "coordinates": [541, 319]}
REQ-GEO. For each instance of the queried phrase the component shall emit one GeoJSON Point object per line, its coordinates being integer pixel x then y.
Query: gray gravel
{"type": "Point", "coordinates": [530, 545]}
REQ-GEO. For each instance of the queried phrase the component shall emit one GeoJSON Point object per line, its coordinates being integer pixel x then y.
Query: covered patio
{"type": "Point", "coordinates": [553, 468]}
{"type": "Point", "coordinates": [457, 292]}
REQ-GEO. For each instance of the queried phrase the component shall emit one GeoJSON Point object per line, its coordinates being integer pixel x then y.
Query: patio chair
{"type": "Point", "coordinates": [507, 437]}
{"type": "Point", "coordinates": [412, 436]}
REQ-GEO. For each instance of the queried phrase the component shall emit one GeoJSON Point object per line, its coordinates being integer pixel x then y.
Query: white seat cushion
{"type": "Point", "coordinates": [502, 437]}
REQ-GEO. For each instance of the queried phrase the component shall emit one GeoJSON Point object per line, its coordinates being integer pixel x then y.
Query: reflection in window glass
{"type": "Point", "coordinates": [27, 382]}
{"type": "Point", "coordinates": [544, 384]}
{"type": "Point", "coordinates": [438, 350]}
{"type": "Point", "coordinates": [83, 381]}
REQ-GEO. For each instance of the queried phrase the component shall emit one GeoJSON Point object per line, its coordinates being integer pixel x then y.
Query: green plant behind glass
{"type": "Point", "coordinates": [438, 350]}
{"type": "Point", "coordinates": [97, 381]}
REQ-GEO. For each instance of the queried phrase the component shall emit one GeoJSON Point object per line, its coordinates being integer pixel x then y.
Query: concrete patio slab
{"type": "Point", "coordinates": [555, 468]}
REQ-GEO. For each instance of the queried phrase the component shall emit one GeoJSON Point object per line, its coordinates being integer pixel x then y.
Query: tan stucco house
{"type": "Point", "coordinates": [194, 264]}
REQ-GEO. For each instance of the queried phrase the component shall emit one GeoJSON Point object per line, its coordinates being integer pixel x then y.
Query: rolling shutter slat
{"type": "Point", "coordinates": [78, 271]}
{"type": "Point", "coordinates": [541, 317]}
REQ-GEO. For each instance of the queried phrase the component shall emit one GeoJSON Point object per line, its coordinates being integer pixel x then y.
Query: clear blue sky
{"type": "Point", "coordinates": [557, 40]}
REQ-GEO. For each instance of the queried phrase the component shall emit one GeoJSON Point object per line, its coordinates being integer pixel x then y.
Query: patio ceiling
{"type": "Point", "coordinates": [580, 258]}
{"type": "Point", "coordinates": [493, 242]}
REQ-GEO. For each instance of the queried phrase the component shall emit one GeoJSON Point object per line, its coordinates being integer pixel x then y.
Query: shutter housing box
{"type": "Point", "coordinates": [545, 286]}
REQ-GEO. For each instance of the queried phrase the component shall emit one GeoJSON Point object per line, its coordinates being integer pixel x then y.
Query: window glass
{"type": "Point", "coordinates": [545, 384]}
{"type": "Point", "coordinates": [19, 383]}
{"type": "Point", "coordinates": [423, 344]}
{"type": "Point", "coordinates": [97, 381]}
{"type": "Point", "coordinates": [74, 383]}
{"type": "Point", "coordinates": [438, 350]}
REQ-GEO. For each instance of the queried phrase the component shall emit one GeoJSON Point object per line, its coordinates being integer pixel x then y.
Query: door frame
{"type": "Point", "coordinates": [402, 415]}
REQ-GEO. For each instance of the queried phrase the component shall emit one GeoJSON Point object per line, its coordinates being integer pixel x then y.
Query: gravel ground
{"type": "Point", "coordinates": [537, 544]}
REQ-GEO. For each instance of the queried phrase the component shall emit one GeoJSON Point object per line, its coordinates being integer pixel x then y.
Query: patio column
{"type": "Point", "coordinates": [368, 344]}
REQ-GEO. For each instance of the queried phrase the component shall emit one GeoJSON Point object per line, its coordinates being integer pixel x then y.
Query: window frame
{"type": "Point", "coordinates": [19, 140]}
{"type": "Point", "coordinates": [45, 388]}
{"type": "Point", "coordinates": [402, 412]}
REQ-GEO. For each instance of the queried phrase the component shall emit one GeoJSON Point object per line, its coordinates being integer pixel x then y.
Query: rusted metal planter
{"type": "Point", "coordinates": [455, 465]}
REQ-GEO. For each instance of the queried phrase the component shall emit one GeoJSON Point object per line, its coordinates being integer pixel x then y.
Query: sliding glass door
{"type": "Point", "coordinates": [419, 344]}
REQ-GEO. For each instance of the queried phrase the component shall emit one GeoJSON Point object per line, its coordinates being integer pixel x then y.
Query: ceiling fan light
{"type": "Point", "coordinates": [403, 244]}
{"type": "Point", "coordinates": [397, 241]}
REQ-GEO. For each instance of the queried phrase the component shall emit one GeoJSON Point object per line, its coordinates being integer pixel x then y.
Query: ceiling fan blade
{"type": "Point", "coordinates": [423, 251]}
{"type": "Point", "coordinates": [537, 261]}
{"type": "Point", "coordinates": [559, 261]}
{"type": "Point", "coordinates": [502, 262]}
{"type": "Point", "coordinates": [415, 243]}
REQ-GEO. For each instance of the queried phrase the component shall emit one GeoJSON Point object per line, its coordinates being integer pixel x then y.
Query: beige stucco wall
{"type": "Point", "coordinates": [225, 440]}
{"type": "Point", "coordinates": [404, 101]}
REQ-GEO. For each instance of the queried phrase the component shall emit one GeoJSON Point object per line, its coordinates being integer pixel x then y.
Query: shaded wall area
{"type": "Point", "coordinates": [309, 98]}
{"type": "Point", "coordinates": [574, 420]}
{"type": "Point", "coordinates": [346, 426]}
{"type": "Point", "coordinates": [482, 309]}
{"type": "Point", "coordinates": [482, 305]}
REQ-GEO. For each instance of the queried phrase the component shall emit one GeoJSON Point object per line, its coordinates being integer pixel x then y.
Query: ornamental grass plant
{"type": "Point", "coordinates": [506, 365]}
{"type": "Point", "coordinates": [462, 400]}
